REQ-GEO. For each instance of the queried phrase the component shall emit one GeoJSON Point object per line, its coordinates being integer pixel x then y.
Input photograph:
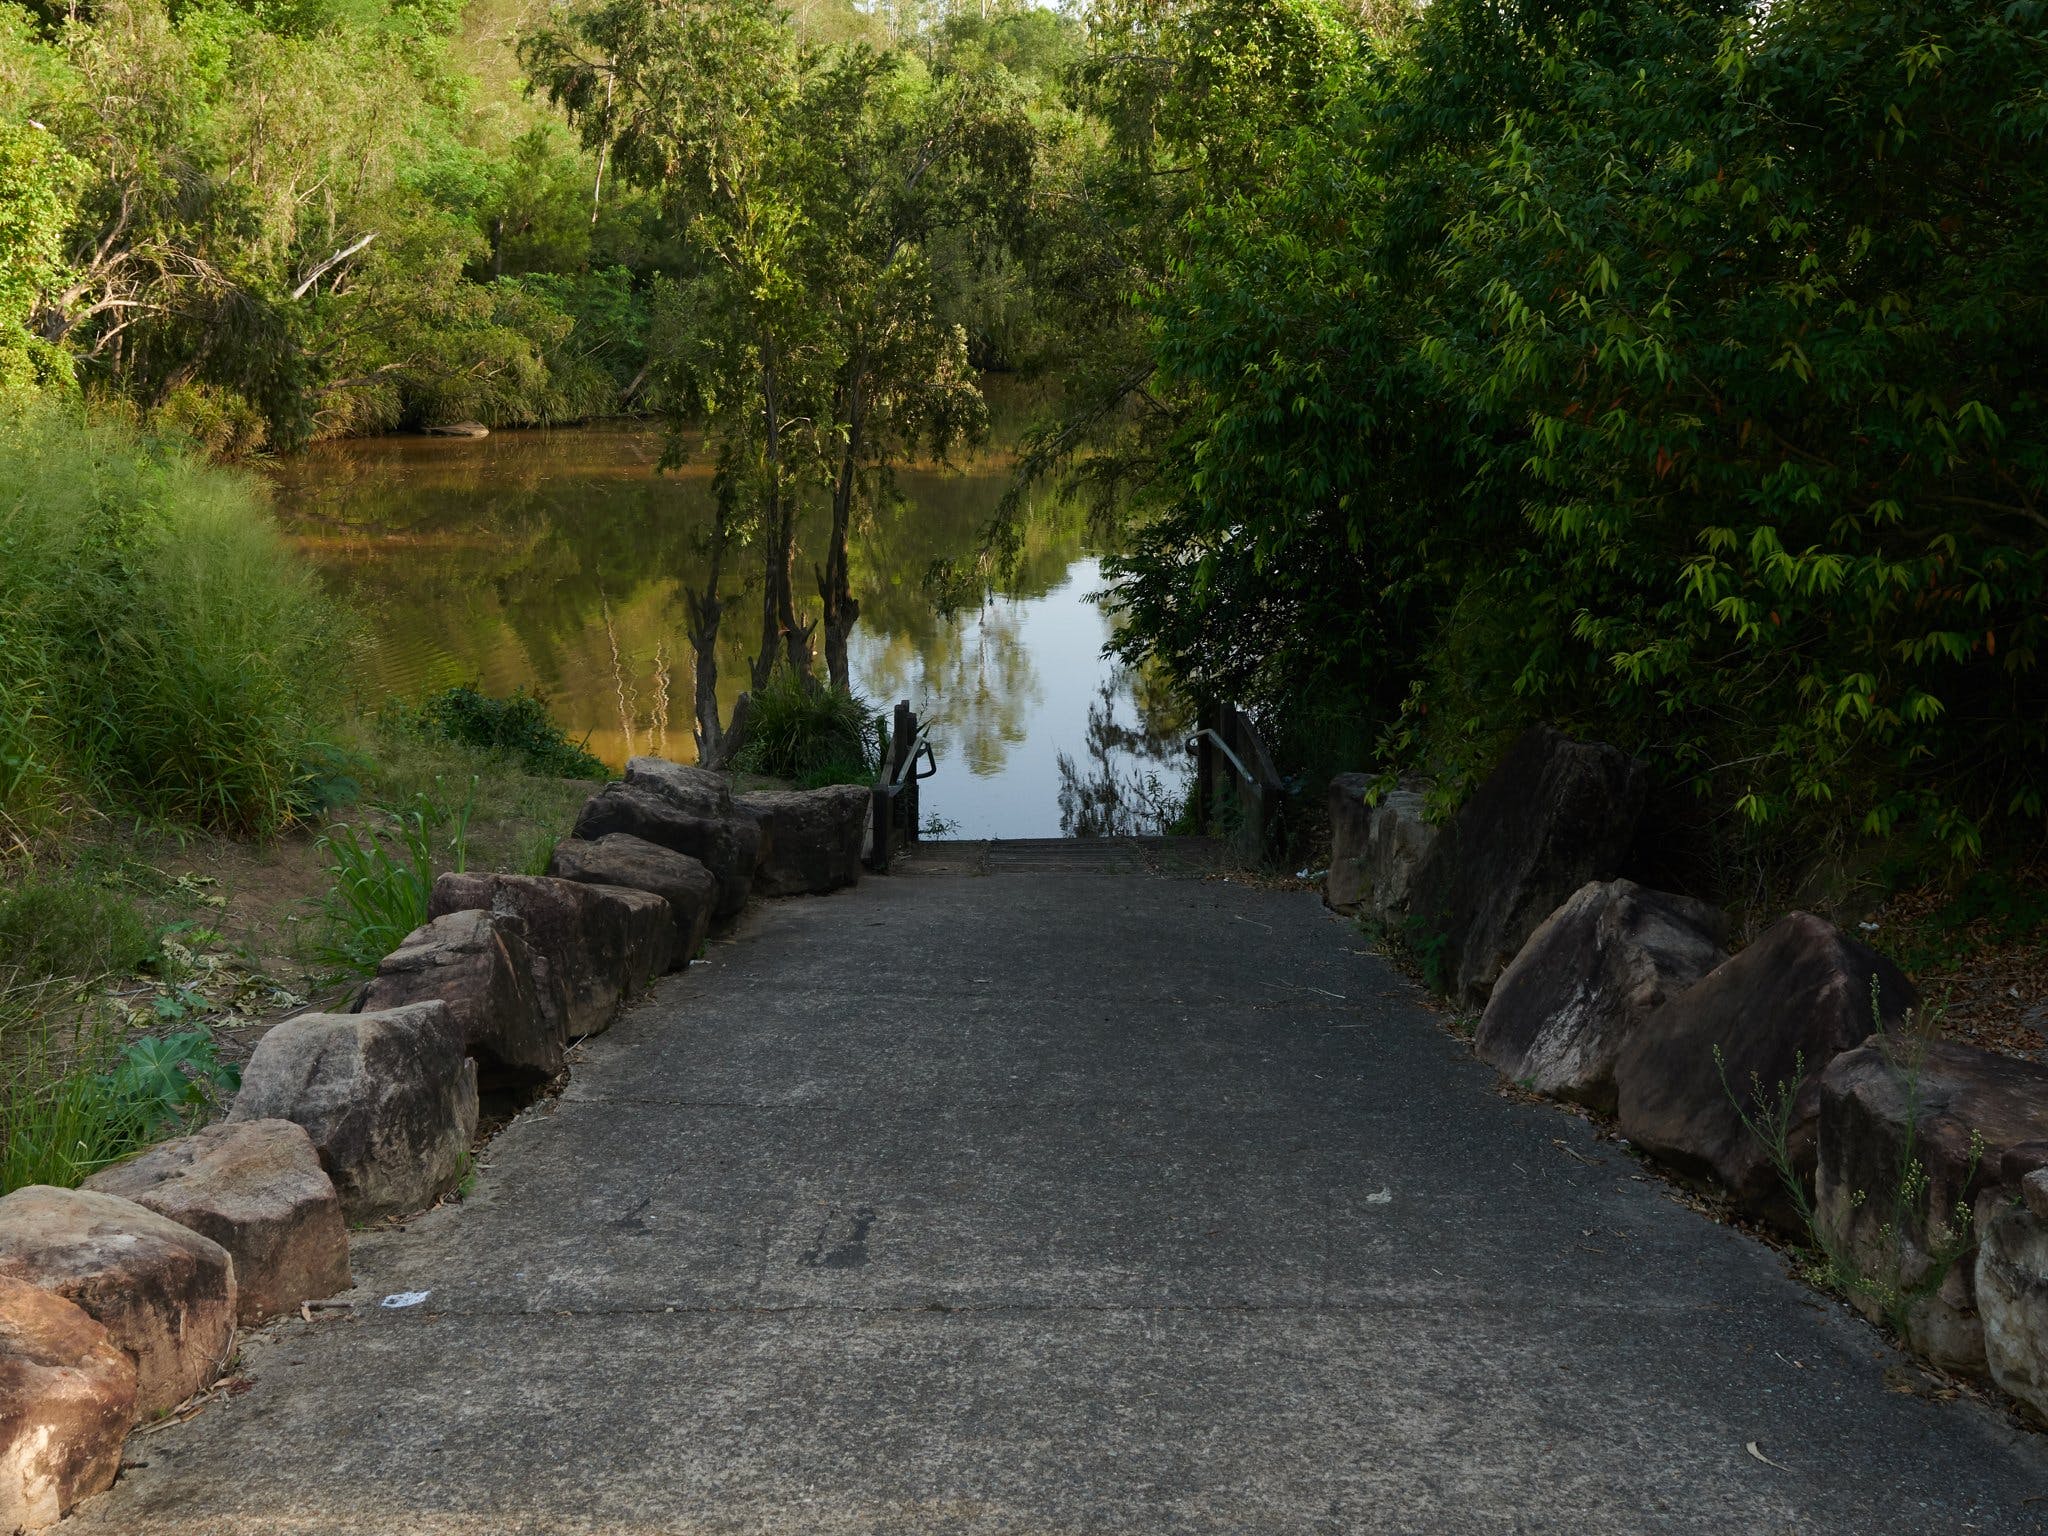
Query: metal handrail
{"type": "Point", "coordinates": [1222, 746]}
{"type": "Point", "coordinates": [895, 789]}
{"type": "Point", "coordinates": [921, 747]}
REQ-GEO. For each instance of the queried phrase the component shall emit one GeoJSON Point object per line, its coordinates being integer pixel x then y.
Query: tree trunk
{"type": "Point", "coordinates": [705, 612]}
{"type": "Point", "coordinates": [834, 582]}
{"type": "Point", "coordinates": [774, 556]}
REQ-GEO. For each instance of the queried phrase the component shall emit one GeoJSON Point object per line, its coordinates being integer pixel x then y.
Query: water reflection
{"type": "Point", "coordinates": [559, 560]}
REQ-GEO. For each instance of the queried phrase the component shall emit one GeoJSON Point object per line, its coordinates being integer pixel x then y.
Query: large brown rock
{"type": "Point", "coordinates": [165, 1294]}
{"type": "Point", "coordinates": [728, 844]}
{"type": "Point", "coordinates": [695, 791]}
{"type": "Point", "coordinates": [508, 1000]}
{"type": "Point", "coordinates": [1345, 885]}
{"type": "Point", "coordinates": [1778, 1013]}
{"type": "Point", "coordinates": [388, 1098]}
{"type": "Point", "coordinates": [811, 838]}
{"type": "Point", "coordinates": [603, 944]}
{"type": "Point", "coordinates": [1912, 1134]}
{"type": "Point", "coordinates": [1555, 814]}
{"type": "Point", "coordinates": [635, 864]}
{"type": "Point", "coordinates": [255, 1187]}
{"type": "Point", "coordinates": [1375, 849]}
{"type": "Point", "coordinates": [67, 1397]}
{"type": "Point", "coordinates": [1586, 980]}
{"type": "Point", "coordinates": [2010, 1279]}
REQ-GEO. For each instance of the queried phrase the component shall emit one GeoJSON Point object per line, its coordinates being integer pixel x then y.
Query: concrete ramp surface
{"type": "Point", "coordinates": [1057, 1198]}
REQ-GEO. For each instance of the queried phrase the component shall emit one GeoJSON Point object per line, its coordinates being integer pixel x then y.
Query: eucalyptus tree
{"type": "Point", "coordinates": [924, 154]}
{"type": "Point", "coordinates": [807, 181]}
{"type": "Point", "coordinates": [703, 101]}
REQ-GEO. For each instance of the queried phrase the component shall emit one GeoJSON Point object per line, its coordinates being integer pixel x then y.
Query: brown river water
{"type": "Point", "coordinates": [557, 559]}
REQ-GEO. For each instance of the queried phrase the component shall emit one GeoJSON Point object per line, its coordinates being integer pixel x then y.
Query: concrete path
{"type": "Point", "coordinates": [1033, 1199]}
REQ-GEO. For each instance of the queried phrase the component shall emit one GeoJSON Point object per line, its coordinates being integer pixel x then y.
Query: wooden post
{"type": "Point", "coordinates": [881, 815]}
{"type": "Point", "coordinates": [902, 742]}
{"type": "Point", "coordinates": [915, 818]}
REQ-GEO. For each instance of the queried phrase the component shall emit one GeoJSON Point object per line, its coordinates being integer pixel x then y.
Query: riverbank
{"type": "Point", "coordinates": [127, 947]}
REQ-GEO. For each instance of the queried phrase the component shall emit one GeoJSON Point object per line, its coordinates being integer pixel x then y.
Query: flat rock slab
{"type": "Point", "coordinates": [1067, 1204]}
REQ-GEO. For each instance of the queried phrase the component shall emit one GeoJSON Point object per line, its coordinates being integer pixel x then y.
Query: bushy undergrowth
{"type": "Point", "coordinates": [519, 727]}
{"type": "Point", "coordinates": [162, 652]}
{"type": "Point", "coordinates": [1671, 372]}
{"type": "Point", "coordinates": [71, 927]}
{"type": "Point", "coordinates": [799, 729]}
{"type": "Point", "coordinates": [76, 1095]}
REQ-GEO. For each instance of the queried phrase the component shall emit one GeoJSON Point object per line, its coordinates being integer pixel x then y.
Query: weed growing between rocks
{"type": "Point", "coordinates": [1884, 1289]}
{"type": "Point", "coordinates": [382, 879]}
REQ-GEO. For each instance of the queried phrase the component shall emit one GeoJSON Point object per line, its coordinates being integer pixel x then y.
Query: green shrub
{"type": "Point", "coordinates": [519, 726]}
{"type": "Point", "coordinates": [161, 649]}
{"type": "Point", "coordinates": [798, 729]}
{"type": "Point", "coordinates": [1671, 372]}
{"type": "Point", "coordinates": [72, 927]}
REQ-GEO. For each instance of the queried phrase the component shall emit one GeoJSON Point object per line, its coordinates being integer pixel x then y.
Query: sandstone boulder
{"type": "Point", "coordinates": [1555, 814]}
{"type": "Point", "coordinates": [1778, 1012]}
{"type": "Point", "coordinates": [1344, 887]}
{"type": "Point", "coordinates": [388, 1098]}
{"type": "Point", "coordinates": [67, 1397]}
{"type": "Point", "coordinates": [165, 1294]}
{"type": "Point", "coordinates": [694, 791]}
{"type": "Point", "coordinates": [509, 1002]}
{"type": "Point", "coordinates": [812, 838]}
{"type": "Point", "coordinates": [635, 864]}
{"type": "Point", "coordinates": [1955, 1114]}
{"type": "Point", "coordinates": [1586, 980]}
{"type": "Point", "coordinates": [728, 844]}
{"type": "Point", "coordinates": [2010, 1278]}
{"type": "Point", "coordinates": [256, 1188]}
{"type": "Point", "coordinates": [603, 944]}
{"type": "Point", "coordinates": [1375, 849]}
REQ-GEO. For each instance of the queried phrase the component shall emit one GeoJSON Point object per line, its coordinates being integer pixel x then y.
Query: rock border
{"type": "Point", "coordinates": [369, 1114]}
{"type": "Point", "coordinates": [1787, 1078]}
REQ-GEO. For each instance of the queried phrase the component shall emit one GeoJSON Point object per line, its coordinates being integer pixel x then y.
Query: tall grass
{"type": "Point", "coordinates": [798, 729]}
{"type": "Point", "coordinates": [382, 881]}
{"type": "Point", "coordinates": [162, 651]}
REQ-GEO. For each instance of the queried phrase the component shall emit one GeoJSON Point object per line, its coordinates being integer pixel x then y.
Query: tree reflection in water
{"type": "Point", "coordinates": [558, 561]}
{"type": "Point", "coordinates": [1135, 782]}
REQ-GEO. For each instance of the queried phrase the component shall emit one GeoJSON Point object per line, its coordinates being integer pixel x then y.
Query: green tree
{"type": "Point", "coordinates": [1669, 372]}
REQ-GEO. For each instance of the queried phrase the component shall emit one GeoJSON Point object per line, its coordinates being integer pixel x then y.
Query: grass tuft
{"type": "Point", "coordinates": [815, 735]}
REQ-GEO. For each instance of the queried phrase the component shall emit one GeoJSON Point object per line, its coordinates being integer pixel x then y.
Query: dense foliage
{"type": "Point", "coordinates": [262, 223]}
{"type": "Point", "coordinates": [161, 651]}
{"type": "Point", "coordinates": [834, 203]}
{"type": "Point", "coordinates": [1673, 372]}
